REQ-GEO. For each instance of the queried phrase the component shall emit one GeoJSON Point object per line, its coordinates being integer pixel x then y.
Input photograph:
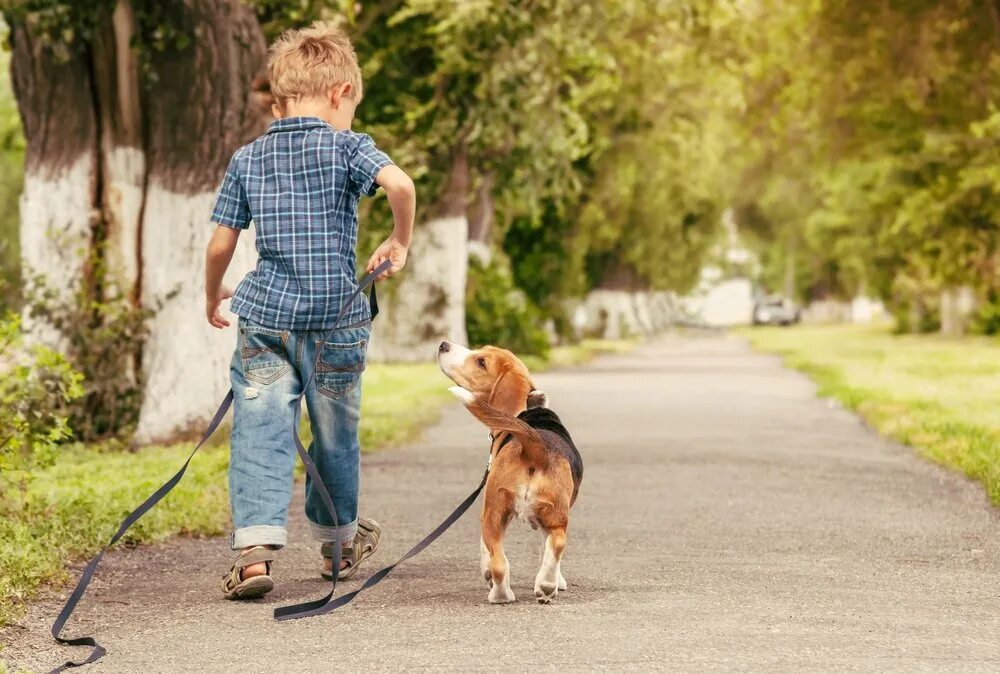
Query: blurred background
{"type": "Point", "coordinates": [588, 173]}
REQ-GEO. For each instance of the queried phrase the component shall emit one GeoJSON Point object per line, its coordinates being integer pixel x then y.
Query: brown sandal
{"type": "Point", "coordinates": [236, 587]}
{"type": "Point", "coordinates": [365, 544]}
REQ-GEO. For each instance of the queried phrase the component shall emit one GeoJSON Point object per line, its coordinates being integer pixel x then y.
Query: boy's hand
{"type": "Point", "coordinates": [391, 249]}
{"type": "Point", "coordinates": [215, 318]}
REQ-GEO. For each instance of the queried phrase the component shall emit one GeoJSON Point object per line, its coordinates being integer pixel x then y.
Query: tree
{"type": "Point", "coordinates": [130, 113]}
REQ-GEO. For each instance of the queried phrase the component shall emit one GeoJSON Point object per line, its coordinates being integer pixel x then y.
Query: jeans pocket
{"type": "Point", "coordinates": [263, 354]}
{"type": "Point", "coordinates": [339, 367]}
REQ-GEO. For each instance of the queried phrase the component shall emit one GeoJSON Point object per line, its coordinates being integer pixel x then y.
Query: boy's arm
{"type": "Point", "coordinates": [217, 258]}
{"type": "Point", "coordinates": [402, 197]}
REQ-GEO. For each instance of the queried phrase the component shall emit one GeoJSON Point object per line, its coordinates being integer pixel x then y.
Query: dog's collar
{"type": "Point", "coordinates": [495, 448]}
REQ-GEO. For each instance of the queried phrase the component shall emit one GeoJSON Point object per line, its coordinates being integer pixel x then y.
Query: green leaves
{"type": "Point", "coordinates": [869, 141]}
{"type": "Point", "coordinates": [36, 385]}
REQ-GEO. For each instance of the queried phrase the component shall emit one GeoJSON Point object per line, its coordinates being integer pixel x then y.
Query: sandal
{"type": "Point", "coordinates": [365, 544]}
{"type": "Point", "coordinates": [235, 587]}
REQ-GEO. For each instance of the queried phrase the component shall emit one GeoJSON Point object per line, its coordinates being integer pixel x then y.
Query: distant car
{"type": "Point", "coordinates": [775, 311]}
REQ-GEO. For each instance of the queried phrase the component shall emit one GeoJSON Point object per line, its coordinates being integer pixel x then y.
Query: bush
{"type": "Point", "coordinates": [496, 312]}
{"type": "Point", "coordinates": [35, 388]}
{"type": "Point", "coordinates": [103, 340]}
{"type": "Point", "coordinates": [986, 320]}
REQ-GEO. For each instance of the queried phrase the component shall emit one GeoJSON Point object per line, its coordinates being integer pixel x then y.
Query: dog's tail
{"type": "Point", "coordinates": [532, 445]}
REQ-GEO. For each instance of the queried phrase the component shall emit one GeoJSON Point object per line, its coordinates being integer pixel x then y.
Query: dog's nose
{"type": "Point", "coordinates": [444, 348]}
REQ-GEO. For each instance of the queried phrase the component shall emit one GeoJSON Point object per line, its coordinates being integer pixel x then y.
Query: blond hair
{"type": "Point", "coordinates": [311, 61]}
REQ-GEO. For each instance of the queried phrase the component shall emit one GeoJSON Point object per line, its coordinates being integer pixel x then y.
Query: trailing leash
{"type": "Point", "coordinates": [303, 610]}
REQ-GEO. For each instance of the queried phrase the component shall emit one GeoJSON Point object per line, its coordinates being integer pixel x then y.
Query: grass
{"type": "Point", "coordinates": [74, 507]}
{"type": "Point", "coordinates": [938, 395]}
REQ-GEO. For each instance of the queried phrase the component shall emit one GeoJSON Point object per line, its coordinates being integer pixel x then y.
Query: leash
{"type": "Point", "coordinates": [307, 609]}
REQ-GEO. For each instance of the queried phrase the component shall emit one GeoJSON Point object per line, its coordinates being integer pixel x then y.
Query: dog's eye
{"type": "Point", "coordinates": [481, 362]}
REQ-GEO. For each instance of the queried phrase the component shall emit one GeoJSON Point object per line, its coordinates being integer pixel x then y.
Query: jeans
{"type": "Point", "coordinates": [268, 371]}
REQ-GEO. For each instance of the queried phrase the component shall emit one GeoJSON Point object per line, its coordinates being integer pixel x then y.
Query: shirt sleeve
{"type": "Point", "coordinates": [231, 206]}
{"type": "Point", "coordinates": [364, 163]}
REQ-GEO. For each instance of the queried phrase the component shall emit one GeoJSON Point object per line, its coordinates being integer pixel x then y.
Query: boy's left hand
{"type": "Point", "coordinates": [391, 249]}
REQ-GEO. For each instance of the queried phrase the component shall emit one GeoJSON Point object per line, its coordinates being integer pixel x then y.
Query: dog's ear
{"type": "Point", "coordinates": [509, 391]}
{"type": "Point", "coordinates": [537, 398]}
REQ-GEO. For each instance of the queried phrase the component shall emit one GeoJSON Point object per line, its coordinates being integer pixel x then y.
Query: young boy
{"type": "Point", "coordinates": [300, 184]}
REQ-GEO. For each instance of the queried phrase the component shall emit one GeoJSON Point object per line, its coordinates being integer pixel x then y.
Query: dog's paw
{"type": "Point", "coordinates": [562, 582]}
{"type": "Point", "coordinates": [500, 594]}
{"type": "Point", "coordinates": [546, 592]}
{"type": "Point", "coordinates": [462, 394]}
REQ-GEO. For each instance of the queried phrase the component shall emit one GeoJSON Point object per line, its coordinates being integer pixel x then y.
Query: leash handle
{"type": "Point", "coordinates": [81, 586]}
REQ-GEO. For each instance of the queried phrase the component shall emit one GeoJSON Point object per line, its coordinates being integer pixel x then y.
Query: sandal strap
{"type": "Point", "coordinates": [254, 555]}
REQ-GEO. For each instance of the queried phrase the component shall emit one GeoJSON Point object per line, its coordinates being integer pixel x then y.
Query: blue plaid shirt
{"type": "Point", "coordinates": [300, 184]}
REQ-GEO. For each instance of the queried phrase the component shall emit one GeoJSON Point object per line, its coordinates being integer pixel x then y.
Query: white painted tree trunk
{"type": "Point", "coordinates": [185, 361]}
{"type": "Point", "coordinates": [426, 303]}
{"type": "Point", "coordinates": [56, 218]}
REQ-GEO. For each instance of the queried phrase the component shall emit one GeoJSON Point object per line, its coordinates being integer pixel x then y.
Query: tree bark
{"type": "Point", "coordinates": [427, 305]}
{"type": "Point", "coordinates": [58, 205]}
{"type": "Point", "coordinates": [206, 110]}
{"type": "Point", "coordinates": [120, 175]}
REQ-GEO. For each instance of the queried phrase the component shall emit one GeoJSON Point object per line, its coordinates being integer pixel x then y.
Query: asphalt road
{"type": "Point", "coordinates": [728, 521]}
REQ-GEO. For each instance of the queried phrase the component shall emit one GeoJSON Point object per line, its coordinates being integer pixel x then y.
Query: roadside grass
{"type": "Point", "coordinates": [74, 507]}
{"type": "Point", "coordinates": [938, 395]}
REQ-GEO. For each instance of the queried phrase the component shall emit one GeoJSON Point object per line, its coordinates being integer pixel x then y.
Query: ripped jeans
{"type": "Point", "coordinates": [268, 370]}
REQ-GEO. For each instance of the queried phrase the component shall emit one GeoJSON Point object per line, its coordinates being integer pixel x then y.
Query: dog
{"type": "Point", "coordinates": [535, 469]}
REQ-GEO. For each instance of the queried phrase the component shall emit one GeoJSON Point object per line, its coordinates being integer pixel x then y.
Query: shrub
{"type": "Point", "coordinates": [103, 340]}
{"type": "Point", "coordinates": [496, 312]}
{"type": "Point", "coordinates": [986, 320]}
{"type": "Point", "coordinates": [35, 389]}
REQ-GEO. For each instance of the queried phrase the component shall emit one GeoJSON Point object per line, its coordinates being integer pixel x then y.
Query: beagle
{"type": "Point", "coordinates": [535, 469]}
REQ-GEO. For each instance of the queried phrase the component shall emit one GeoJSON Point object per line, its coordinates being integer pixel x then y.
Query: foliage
{"type": "Point", "coordinates": [935, 394]}
{"type": "Point", "coordinates": [868, 142]}
{"type": "Point", "coordinates": [35, 388]}
{"type": "Point", "coordinates": [551, 104]}
{"type": "Point", "coordinates": [11, 180]}
{"type": "Point", "coordinates": [497, 313]}
{"type": "Point", "coordinates": [102, 339]}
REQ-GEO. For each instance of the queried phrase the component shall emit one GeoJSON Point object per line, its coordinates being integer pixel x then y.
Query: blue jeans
{"type": "Point", "coordinates": [268, 371]}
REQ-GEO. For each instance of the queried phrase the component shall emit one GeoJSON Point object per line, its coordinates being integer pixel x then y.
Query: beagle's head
{"type": "Point", "coordinates": [491, 374]}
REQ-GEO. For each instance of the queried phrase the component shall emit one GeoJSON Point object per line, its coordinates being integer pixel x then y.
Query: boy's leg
{"type": "Point", "coordinates": [334, 402]}
{"type": "Point", "coordinates": [265, 383]}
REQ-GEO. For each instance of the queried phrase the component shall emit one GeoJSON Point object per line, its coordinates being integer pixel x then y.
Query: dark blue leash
{"type": "Point", "coordinates": [306, 609]}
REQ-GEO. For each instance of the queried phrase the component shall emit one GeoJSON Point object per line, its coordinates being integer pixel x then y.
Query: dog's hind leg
{"type": "Point", "coordinates": [484, 563]}
{"type": "Point", "coordinates": [549, 578]}
{"type": "Point", "coordinates": [497, 513]}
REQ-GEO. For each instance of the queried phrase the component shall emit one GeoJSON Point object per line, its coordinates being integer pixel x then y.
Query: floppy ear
{"type": "Point", "coordinates": [537, 398]}
{"type": "Point", "coordinates": [509, 392]}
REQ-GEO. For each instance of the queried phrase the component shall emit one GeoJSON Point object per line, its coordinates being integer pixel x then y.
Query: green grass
{"type": "Point", "coordinates": [938, 395]}
{"type": "Point", "coordinates": [76, 505]}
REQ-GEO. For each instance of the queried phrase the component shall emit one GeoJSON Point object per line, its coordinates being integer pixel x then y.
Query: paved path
{"type": "Point", "coordinates": [728, 520]}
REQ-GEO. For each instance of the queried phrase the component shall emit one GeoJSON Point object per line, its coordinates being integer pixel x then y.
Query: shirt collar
{"type": "Point", "coordinates": [297, 124]}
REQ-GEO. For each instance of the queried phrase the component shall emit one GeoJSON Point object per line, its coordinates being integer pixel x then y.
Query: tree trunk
{"type": "Point", "coordinates": [428, 304]}
{"type": "Point", "coordinates": [120, 176]}
{"type": "Point", "coordinates": [481, 215]}
{"type": "Point", "coordinates": [192, 132]}
{"type": "Point", "coordinates": [59, 213]}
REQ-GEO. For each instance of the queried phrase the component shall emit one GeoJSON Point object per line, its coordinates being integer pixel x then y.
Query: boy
{"type": "Point", "coordinates": [300, 184]}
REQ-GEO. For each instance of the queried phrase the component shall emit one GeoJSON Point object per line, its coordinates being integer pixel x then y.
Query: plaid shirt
{"type": "Point", "coordinates": [300, 184]}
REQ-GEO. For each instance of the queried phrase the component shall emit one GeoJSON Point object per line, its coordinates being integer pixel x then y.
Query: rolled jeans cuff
{"type": "Point", "coordinates": [261, 534]}
{"type": "Point", "coordinates": [344, 534]}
